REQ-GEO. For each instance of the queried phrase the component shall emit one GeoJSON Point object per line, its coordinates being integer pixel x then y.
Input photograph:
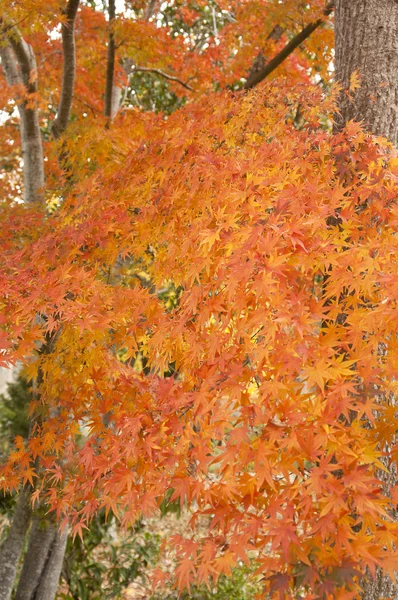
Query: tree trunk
{"type": "Point", "coordinates": [40, 542]}
{"type": "Point", "coordinates": [11, 549]}
{"type": "Point", "coordinates": [366, 41]}
{"type": "Point", "coordinates": [110, 65]}
{"type": "Point", "coordinates": [50, 577]}
{"type": "Point", "coordinates": [19, 66]}
{"type": "Point", "coordinates": [366, 33]}
{"type": "Point", "coordinates": [43, 562]}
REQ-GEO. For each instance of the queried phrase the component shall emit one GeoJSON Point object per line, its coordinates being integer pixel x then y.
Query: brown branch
{"type": "Point", "coordinates": [8, 27]}
{"type": "Point", "coordinates": [60, 123]}
{"type": "Point", "coordinates": [261, 74]}
{"type": "Point", "coordinates": [163, 74]}
{"type": "Point", "coordinates": [261, 60]}
{"type": "Point", "coordinates": [110, 66]}
{"type": "Point", "coordinates": [93, 109]}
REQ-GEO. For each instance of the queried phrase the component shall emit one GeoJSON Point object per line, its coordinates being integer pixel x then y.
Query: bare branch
{"type": "Point", "coordinates": [69, 69]}
{"type": "Point", "coordinates": [110, 66]}
{"type": "Point", "coordinates": [163, 74]}
{"type": "Point", "coordinates": [270, 66]}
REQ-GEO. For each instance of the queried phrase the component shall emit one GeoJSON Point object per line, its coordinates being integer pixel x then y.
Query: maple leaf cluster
{"type": "Point", "coordinates": [262, 394]}
{"type": "Point", "coordinates": [189, 42]}
{"type": "Point", "coordinates": [207, 309]}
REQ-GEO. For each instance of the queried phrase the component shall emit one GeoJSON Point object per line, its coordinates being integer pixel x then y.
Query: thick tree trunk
{"type": "Point", "coordinates": [379, 588]}
{"type": "Point", "coordinates": [366, 41]}
{"type": "Point", "coordinates": [11, 549]}
{"type": "Point", "coordinates": [366, 34]}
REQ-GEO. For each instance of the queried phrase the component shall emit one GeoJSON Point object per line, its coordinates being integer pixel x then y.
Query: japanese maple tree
{"type": "Point", "coordinates": [204, 299]}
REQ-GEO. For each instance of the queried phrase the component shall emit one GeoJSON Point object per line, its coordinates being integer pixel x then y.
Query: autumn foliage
{"type": "Point", "coordinates": [208, 307]}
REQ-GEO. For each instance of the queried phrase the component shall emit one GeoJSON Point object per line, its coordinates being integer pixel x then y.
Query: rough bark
{"type": "Point", "coordinates": [40, 542]}
{"type": "Point", "coordinates": [12, 547]}
{"type": "Point", "coordinates": [19, 66]}
{"type": "Point", "coordinates": [43, 562]}
{"type": "Point", "coordinates": [69, 68]}
{"type": "Point", "coordinates": [50, 577]}
{"type": "Point", "coordinates": [367, 42]}
{"type": "Point", "coordinates": [379, 588]}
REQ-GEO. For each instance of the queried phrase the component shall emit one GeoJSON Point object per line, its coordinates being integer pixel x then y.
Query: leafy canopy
{"type": "Point", "coordinates": [216, 293]}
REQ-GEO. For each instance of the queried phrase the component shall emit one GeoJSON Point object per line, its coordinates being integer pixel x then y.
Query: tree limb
{"type": "Point", "coordinates": [261, 60]}
{"type": "Point", "coordinates": [270, 66]}
{"type": "Point", "coordinates": [165, 75]}
{"type": "Point", "coordinates": [60, 123]}
{"type": "Point", "coordinates": [26, 61]}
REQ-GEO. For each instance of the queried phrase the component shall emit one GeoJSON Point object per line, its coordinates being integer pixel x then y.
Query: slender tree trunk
{"type": "Point", "coordinates": [19, 65]}
{"type": "Point", "coordinates": [366, 34]}
{"type": "Point", "coordinates": [367, 42]}
{"type": "Point", "coordinates": [50, 578]}
{"type": "Point", "coordinates": [12, 547]}
{"type": "Point", "coordinates": [44, 557]}
{"type": "Point", "coordinates": [61, 121]}
{"type": "Point", "coordinates": [110, 110]}
{"type": "Point", "coordinates": [41, 538]}
{"type": "Point", "coordinates": [43, 562]}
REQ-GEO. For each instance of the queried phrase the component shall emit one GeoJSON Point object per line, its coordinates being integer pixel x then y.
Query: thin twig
{"type": "Point", "coordinates": [163, 74]}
